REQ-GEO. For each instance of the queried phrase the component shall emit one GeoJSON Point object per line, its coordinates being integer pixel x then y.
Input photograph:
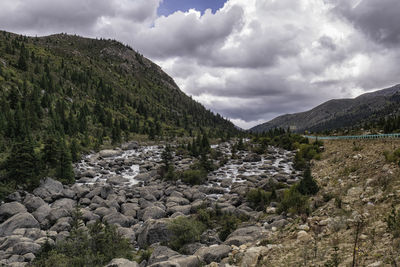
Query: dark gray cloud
{"type": "Point", "coordinates": [379, 20]}
{"type": "Point", "coordinates": [250, 85]}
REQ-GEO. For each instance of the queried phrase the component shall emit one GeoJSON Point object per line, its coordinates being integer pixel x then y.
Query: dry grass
{"type": "Point", "coordinates": [358, 187]}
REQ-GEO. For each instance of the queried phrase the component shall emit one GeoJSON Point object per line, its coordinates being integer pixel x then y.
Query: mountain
{"type": "Point", "coordinates": [340, 113]}
{"type": "Point", "coordinates": [61, 95]}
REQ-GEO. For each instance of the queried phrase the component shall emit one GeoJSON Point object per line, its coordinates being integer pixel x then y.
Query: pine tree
{"type": "Point", "coordinates": [23, 165]}
{"type": "Point", "coordinates": [116, 133]}
{"type": "Point", "coordinates": [51, 152]}
{"type": "Point", "coordinates": [22, 62]}
{"type": "Point", "coordinates": [64, 169]}
{"type": "Point", "coordinates": [74, 150]}
{"type": "Point", "coordinates": [307, 185]}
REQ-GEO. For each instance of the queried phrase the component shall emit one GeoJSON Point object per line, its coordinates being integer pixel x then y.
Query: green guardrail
{"type": "Point", "coordinates": [369, 136]}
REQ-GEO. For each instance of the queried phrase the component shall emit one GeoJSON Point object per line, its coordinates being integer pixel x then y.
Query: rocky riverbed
{"type": "Point", "coordinates": [123, 187]}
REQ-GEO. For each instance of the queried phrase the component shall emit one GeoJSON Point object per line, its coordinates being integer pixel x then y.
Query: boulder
{"type": "Point", "coordinates": [252, 255]}
{"type": "Point", "coordinates": [161, 253]}
{"type": "Point", "coordinates": [303, 236]}
{"type": "Point", "coordinates": [88, 173]}
{"type": "Point", "coordinates": [49, 190]}
{"type": "Point", "coordinates": [130, 146]}
{"type": "Point", "coordinates": [108, 153]}
{"type": "Point", "coordinates": [153, 212]}
{"type": "Point", "coordinates": [117, 218]}
{"type": "Point", "coordinates": [179, 261]}
{"type": "Point", "coordinates": [243, 235]}
{"type": "Point", "coordinates": [103, 211]}
{"type": "Point", "coordinates": [57, 213]}
{"type": "Point", "coordinates": [25, 247]}
{"type": "Point", "coordinates": [87, 215]}
{"type": "Point", "coordinates": [143, 176]}
{"type": "Point", "coordinates": [62, 224]}
{"type": "Point", "coordinates": [16, 196]}
{"type": "Point", "coordinates": [119, 262]}
{"type": "Point", "coordinates": [105, 191]}
{"type": "Point", "coordinates": [65, 203]}
{"type": "Point", "coordinates": [42, 213]}
{"type": "Point", "coordinates": [117, 180]}
{"type": "Point", "coordinates": [95, 192]}
{"type": "Point", "coordinates": [21, 220]}
{"type": "Point", "coordinates": [68, 193]}
{"type": "Point", "coordinates": [32, 202]}
{"type": "Point", "coordinates": [153, 231]}
{"type": "Point", "coordinates": [182, 209]}
{"type": "Point", "coordinates": [79, 190]}
{"type": "Point", "coordinates": [7, 210]}
{"type": "Point", "coordinates": [128, 233]}
{"type": "Point", "coordinates": [252, 158]}
{"type": "Point", "coordinates": [129, 209]}
{"type": "Point", "coordinates": [178, 200]}
{"type": "Point", "coordinates": [11, 240]}
{"type": "Point", "coordinates": [213, 253]}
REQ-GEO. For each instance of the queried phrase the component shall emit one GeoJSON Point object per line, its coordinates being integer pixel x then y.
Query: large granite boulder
{"type": "Point", "coordinates": [49, 190]}
{"type": "Point", "coordinates": [21, 220]}
{"type": "Point", "coordinates": [8, 210]}
{"type": "Point", "coordinates": [153, 231]}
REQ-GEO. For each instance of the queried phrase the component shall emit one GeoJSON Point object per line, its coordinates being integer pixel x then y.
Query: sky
{"type": "Point", "coordinates": [249, 60]}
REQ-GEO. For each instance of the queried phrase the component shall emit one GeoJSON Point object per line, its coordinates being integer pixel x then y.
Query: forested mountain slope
{"type": "Point", "coordinates": [62, 94]}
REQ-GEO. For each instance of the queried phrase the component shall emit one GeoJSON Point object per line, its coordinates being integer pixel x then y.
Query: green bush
{"type": "Point", "coordinates": [392, 156]}
{"type": "Point", "coordinates": [205, 217]}
{"type": "Point", "coordinates": [93, 247]}
{"type": "Point", "coordinates": [305, 153]}
{"type": "Point", "coordinates": [184, 231]}
{"type": "Point", "coordinates": [258, 198]}
{"type": "Point", "coordinates": [193, 177]}
{"type": "Point", "coordinates": [229, 223]}
{"type": "Point", "coordinates": [293, 201]}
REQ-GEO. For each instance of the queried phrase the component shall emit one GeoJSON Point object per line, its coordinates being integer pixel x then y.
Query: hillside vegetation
{"type": "Point", "coordinates": [62, 95]}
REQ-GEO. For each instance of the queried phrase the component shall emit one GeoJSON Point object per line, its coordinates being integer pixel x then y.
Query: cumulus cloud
{"type": "Point", "coordinates": [88, 17]}
{"type": "Point", "coordinates": [250, 60]}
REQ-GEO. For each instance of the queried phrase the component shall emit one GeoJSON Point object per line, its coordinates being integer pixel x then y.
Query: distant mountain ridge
{"type": "Point", "coordinates": [339, 113]}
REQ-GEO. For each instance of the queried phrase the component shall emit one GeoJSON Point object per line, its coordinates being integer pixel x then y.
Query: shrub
{"type": "Point", "coordinates": [294, 202]}
{"type": "Point", "coordinates": [229, 224]}
{"type": "Point", "coordinates": [258, 198]}
{"type": "Point", "coordinates": [226, 223]}
{"type": "Point", "coordinates": [205, 217]}
{"type": "Point", "coordinates": [194, 177]}
{"type": "Point", "coordinates": [393, 222]}
{"type": "Point", "coordinates": [185, 231]}
{"type": "Point", "coordinates": [392, 156]}
{"type": "Point", "coordinates": [93, 247]}
{"type": "Point", "coordinates": [307, 185]}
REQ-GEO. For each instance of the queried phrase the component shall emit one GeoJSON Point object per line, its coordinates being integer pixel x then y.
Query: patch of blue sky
{"type": "Point", "coordinates": [168, 7]}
